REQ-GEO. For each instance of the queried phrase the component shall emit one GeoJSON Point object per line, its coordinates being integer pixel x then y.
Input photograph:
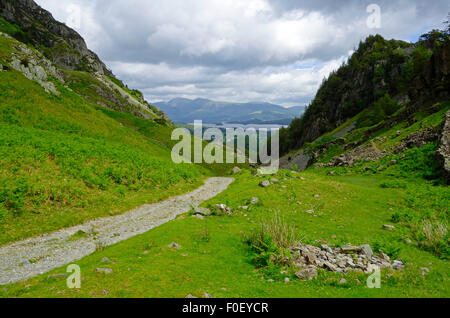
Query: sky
{"type": "Point", "coordinates": [237, 50]}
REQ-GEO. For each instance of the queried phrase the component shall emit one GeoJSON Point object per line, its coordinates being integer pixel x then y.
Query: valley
{"type": "Point", "coordinates": [87, 178]}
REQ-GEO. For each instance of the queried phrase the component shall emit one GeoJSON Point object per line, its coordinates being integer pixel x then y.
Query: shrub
{"type": "Point", "coordinates": [432, 236]}
{"type": "Point", "coordinates": [387, 105]}
{"type": "Point", "coordinates": [270, 241]}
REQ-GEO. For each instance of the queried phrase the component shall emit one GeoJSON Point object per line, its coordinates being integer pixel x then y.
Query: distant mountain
{"type": "Point", "coordinates": [185, 110]}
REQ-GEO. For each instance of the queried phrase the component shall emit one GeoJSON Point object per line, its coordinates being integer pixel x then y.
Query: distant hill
{"type": "Point", "coordinates": [185, 110]}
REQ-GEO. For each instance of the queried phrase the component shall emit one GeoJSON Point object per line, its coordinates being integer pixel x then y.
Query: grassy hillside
{"type": "Point", "coordinates": [64, 161]}
{"type": "Point", "coordinates": [214, 258]}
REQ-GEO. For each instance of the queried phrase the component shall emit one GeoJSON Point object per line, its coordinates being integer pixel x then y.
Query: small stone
{"type": "Point", "coordinates": [307, 274]}
{"type": "Point", "coordinates": [175, 246]}
{"type": "Point", "coordinates": [199, 216]}
{"type": "Point", "coordinates": [224, 209]}
{"type": "Point", "coordinates": [389, 275]}
{"type": "Point", "coordinates": [330, 266]}
{"type": "Point", "coordinates": [326, 248]}
{"type": "Point", "coordinates": [342, 281]}
{"type": "Point", "coordinates": [106, 260]}
{"type": "Point", "coordinates": [311, 258]}
{"type": "Point", "coordinates": [190, 296]}
{"type": "Point", "coordinates": [207, 295]}
{"type": "Point", "coordinates": [274, 181]}
{"type": "Point", "coordinates": [264, 184]}
{"type": "Point", "coordinates": [380, 168]}
{"type": "Point", "coordinates": [408, 241]}
{"type": "Point", "coordinates": [254, 200]}
{"type": "Point", "coordinates": [287, 280]}
{"type": "Point", "coordinates": [333, 237]}
{"type": "Point", "coordinates": [425, 270]}
{"type": "Point", "coordinates": [398, 265]}
{"type": "Point", "coordinates": [105, 292]}
{"type": "Point", "coordinates": [317, 196]}
{"type": "Point", "coordinates": [310, 211]}
{"type": "Point", "coordinates": [383, 256]}
{"type": "Point", "coordinates": [393, 162]}
{"type": "Point", "coordinates": [106, 271]}
{"type": "Point", "coordinates": [245, 208]}
{"type": "Point", "coordinates": [331, 173]}
{"type": "Point", "coordinates": [367, 250]}
{"type": "Point", "coordinates": [388, 227]}
{"type": "Point", "coordinates": [399, 133]}
{"type": "Point", "coordinates": [235, 170]}
{"type": "Point", "coordinates": [224, 289]}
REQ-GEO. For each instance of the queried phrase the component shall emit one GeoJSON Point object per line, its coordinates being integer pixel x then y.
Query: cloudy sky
{"type": "Point", "coordinates": [237, 50]}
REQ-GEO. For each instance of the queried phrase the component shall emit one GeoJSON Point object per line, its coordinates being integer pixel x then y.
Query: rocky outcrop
{"type": "Point", "coordinates": [411, 75]}
{"type": "Point", "coordinates": [340, 260]}
{"type": "Point", "coordinates": [443, 153]}
{"type": "Point", "coordinates": [34, 66]}
{"type": "Point", "coordinates": [58, 45]}
{"type": "Point", "coordinates": [61, 44]}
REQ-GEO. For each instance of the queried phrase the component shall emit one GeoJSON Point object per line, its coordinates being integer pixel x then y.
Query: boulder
{"type": "Point", "coordinates": [222, 208]}
{"type": "Point", "coordinates": [105, 271]}
{"type": "Point", "coordinates": [264, 184]}
{"type": "Point", "coordinates": [235, 170]}
{"type": "Point", "coordinates": [367, 250]}
{"type": "Point", "coordinates": [307, 274]}
{"type": "Point", "coordinates": [202, 211]}
{"type": "Point", "coordinates": [175, 246]}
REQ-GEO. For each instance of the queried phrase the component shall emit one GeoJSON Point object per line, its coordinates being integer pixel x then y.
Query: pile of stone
{"type": "Point", "coordinates": [340, 260]}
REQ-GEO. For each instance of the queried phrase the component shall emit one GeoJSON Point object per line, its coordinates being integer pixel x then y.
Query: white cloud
{"type": "Point", "coordinates": [237, 50]}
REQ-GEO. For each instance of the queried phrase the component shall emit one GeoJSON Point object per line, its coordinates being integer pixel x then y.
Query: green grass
{"type": "Point", "coordinates": [214, 254]}
{"type": "Point", "coordinates": [63, 161]}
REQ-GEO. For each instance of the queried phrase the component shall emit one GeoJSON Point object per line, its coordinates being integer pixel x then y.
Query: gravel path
{"type": "Point", "coordinates": [22, 260]}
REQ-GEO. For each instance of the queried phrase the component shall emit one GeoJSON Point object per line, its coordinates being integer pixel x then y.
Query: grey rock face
{"type": "Point", "coordinates": [49, 33]}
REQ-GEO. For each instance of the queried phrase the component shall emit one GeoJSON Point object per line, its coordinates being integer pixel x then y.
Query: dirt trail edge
{"type": "Point", "coordinates": [22, 260]}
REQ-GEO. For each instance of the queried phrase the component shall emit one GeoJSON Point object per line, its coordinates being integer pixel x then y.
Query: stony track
{"type": "Point", "coordinates": [22, 260]}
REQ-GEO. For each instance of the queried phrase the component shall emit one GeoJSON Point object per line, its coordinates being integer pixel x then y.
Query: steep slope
{"type": "Point", "coordinates": [387, 88]}
{"type": "Point", "coordinates": [64, 160]}
{"type": "Point", "coordinates": [80, 68]}
{"type": "Point", "coordinates": [186, 111]}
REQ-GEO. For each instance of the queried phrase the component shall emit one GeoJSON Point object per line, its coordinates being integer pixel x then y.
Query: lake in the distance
{"type": "Point", "coordinates": [256, 126]}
